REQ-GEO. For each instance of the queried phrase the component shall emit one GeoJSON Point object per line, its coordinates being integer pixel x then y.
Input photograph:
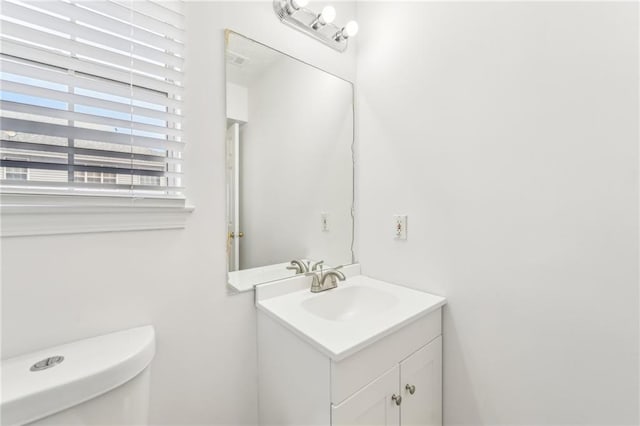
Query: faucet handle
{"type": "Point", "coordinates": [300, 265]}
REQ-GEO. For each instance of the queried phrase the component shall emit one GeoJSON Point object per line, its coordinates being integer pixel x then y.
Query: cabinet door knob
{"type": "Point", "coordinates": [397, 399]}
{"type": "Point", "coordinates": [411, 388]}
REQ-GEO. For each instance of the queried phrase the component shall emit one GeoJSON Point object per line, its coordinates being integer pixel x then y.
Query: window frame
{"type": "Point", "coordinates": [30, 214]}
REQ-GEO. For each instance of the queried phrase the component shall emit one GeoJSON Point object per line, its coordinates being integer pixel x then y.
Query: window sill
{"type": "Point", "coordinates": [29, 215]}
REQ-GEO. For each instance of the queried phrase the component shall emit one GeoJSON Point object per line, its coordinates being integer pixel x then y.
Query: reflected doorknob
{"type": "Point", "coordinates": [411, 388]}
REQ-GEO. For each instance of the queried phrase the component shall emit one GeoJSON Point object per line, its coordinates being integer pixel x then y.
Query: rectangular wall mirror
{"type": "Point", "coordinates": [290, 168]}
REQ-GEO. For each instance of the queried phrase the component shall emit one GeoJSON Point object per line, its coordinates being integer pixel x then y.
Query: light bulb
{"type": "Point", "coordinates": [347, 31]}
{"type": "Point", "coordinates": [292, 6]}
{"type": "Point", "coordinates": [350, 29]}
{"type": "Point", "coordinates": [298, 4]}
{"type": "Point", "coordinates": [328, 15]}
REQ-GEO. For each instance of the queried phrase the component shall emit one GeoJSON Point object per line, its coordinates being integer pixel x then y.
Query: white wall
{"type": "Point", "coordinates": [61, 288]}
{"type": "Point", "coordinates": [296, 163]}
{"type": "Point", "coordinates": [237, 102]}
{"type": "Point", "coordinates": [508, 132]}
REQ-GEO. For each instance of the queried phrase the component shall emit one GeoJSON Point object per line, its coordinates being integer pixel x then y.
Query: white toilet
{"type": "Point", "coordinates": [98, 381]}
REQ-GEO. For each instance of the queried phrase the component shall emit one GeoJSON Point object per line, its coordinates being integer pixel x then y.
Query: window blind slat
{"type": "Point", "coordinates": [87, 187]}
{"type": "Point", "coordinates": [18, 146]}
{"type": "Point", "coordinates": [74, 98]}
{"type": "Point", "coordinates": [174, 6]}
{"type": "Point", "coordinates": [122, 124]}
{"type": "Point", "coordinates": [57, 130]}
{"type": "Point", "coordinates": [147, 22]}
{"type": "Point", "coordinates": [162, 11]}
{"type": "Point", "coordinates": [121, 169]}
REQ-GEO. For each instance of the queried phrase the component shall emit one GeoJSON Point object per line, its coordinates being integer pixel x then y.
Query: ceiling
{"type": "Point", "coordinates": [247, 59]}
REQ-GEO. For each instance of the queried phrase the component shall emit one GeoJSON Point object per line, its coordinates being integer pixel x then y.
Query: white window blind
{"type": "Point", "coordinates": [91, 97]}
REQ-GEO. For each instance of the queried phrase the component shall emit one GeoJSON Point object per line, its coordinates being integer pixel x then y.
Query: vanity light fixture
{"type": "Point", "coordinates": [317, 25]}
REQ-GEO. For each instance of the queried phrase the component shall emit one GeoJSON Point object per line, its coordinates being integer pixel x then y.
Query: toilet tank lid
{"type": "Point", "coordinates": [90, 368]}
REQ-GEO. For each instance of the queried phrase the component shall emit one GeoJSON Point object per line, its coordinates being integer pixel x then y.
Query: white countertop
{"type": "Point", "coordinates": [246, 279]}
{"type": "Point", "coordinates": [393, 307]}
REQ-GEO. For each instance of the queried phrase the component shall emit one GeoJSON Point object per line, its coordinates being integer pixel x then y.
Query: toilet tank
{"type": "Point", "coordinates": [103, 380]}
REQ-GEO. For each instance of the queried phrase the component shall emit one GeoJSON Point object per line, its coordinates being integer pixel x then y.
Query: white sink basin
{"type": "Point", "coordinates": [341, 321]}
{"type": "Point", "coordinates": [349, 303]}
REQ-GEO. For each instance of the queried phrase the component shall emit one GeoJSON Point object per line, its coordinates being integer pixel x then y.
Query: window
{"type": "Point", "coordinates": [91, 98]}
{"type": "Point", "coordinates": [16, 173]}
{"type": "Point", "coordinates": [95, 177]}
{"type": "Point", "coordinates": [149, 180]}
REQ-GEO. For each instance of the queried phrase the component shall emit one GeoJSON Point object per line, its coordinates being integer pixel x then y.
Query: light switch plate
{"type": "Point", "coordinates": [324, 222]}
{"type": "Point", "coordinates": [400, 227]}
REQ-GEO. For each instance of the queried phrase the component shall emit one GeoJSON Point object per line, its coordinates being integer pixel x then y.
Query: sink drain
{"type": "Point", "coordinates": [52, 361]}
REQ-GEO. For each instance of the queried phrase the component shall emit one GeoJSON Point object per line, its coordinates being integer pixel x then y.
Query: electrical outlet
{"type": "Point", "coordinates": [400, 227]}
{"type": "Point", "coordinates": [324, 222]}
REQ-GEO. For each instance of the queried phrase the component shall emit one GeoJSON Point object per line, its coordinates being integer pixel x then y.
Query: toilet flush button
{"type": "Point", "coordinates": [52, 361]}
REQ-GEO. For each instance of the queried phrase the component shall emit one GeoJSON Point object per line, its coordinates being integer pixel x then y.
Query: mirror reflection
{"type": "Point", "coordinates": [289, 165]}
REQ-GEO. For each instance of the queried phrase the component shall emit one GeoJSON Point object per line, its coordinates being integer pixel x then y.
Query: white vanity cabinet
{"type": "Point", "coordinates": [371, 405]}
{"type": "Point", "coordinates": [421, 386]}
{"type": "Point", "coordinates": [299, 384]}
{"type": "Point", "coordinates": [408, 394]}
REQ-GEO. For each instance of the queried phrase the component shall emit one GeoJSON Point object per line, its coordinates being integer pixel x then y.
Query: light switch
{"type": "Point", "coordinates": [400, 227]}
{"type": "Point", "coordinates": [324, 222]}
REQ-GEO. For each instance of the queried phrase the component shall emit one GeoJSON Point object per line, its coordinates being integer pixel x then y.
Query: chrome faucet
{"type": "Point", "coordinates": [320, 281]}
{"type": "Point", "coordinates": [300, 266]}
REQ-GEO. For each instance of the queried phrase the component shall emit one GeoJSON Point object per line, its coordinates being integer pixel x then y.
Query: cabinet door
{"type": "Point", "coordinates": [371, 405]}
{"type": "Point", "coordinates": [421, 374]}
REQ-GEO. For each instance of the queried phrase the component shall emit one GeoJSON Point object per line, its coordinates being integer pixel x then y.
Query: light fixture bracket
{"type": "Point", "coordinates": [303, 20]}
